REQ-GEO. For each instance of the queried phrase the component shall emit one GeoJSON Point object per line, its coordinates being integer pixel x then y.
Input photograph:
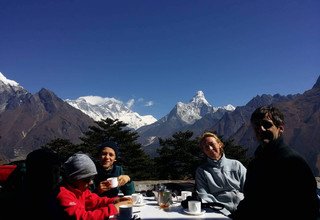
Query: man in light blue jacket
{"type": "Point", "coordinates": [219, 179]}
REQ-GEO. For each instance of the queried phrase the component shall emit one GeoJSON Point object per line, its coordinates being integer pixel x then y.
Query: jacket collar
{"type": "Point", "coordinates": [77, 192]}
{"type": "Point", "coordinates": [216, 163]}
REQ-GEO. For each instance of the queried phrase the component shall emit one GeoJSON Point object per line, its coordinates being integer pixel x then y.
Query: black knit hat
{"type": "Point", "coordinates": [111, 144]}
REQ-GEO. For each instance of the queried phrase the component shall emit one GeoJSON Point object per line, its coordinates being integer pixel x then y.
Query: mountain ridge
{"type": "Point", "coordinates": [29, 120]}
{"type": "Point", "coordinates": [181, 117]}
{"type": "Point", "coordinates": [302, 130]}
{"type": "Point", "coordinates": [101, 108]}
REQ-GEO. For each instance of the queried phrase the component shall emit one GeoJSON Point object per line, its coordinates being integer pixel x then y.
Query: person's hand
{"type": "Point", "coordinates": [118, 203]}
{"type": "Point", "coordinates": [104, 186]}
{"type": "Point", "coordinates": [123, 199]}
{"type": "Point", "coordinates": [123, 179]}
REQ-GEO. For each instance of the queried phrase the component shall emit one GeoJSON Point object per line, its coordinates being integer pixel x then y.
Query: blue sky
{"type": "Point", "coordinates": [161, 51]}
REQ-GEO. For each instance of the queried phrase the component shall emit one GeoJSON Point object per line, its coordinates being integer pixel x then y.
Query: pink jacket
{"type": "Point", "coordinates": [84, 205]}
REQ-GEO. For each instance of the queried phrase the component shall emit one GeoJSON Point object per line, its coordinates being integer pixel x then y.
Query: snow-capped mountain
{"type": "Point", "coordinates": [11, 91]}
{"type": "Point", "coordinates": [29, 121]}
{"type": "Point", "coordinates": [8, 82]}
{"type": "Point", "coordinates": [182, 117]}
{"type": "Point", "coordinates": [197, 108]}
{"type": "Point", "coordinates": [101, 108]}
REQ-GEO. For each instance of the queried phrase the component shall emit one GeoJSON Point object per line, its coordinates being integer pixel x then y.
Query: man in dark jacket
{"type": "Point", "coordinates": [279, 183]}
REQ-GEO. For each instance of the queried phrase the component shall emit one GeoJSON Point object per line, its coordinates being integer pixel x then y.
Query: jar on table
{"type": "Point", "coordinates": [165, 200]}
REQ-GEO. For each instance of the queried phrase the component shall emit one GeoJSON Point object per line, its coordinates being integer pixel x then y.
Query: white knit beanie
{"type": "Point", "coordinates": [79, 166]}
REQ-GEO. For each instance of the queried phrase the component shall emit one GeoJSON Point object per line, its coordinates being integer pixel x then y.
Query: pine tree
{"type": "Point", "coordinates": [179, 156]}
{"type": "Point", "coordinates": [63, 147]}
{"type": "Point", "coordinates": [131, 157]}
{"type": "Point", "coordinates": [236, 152]}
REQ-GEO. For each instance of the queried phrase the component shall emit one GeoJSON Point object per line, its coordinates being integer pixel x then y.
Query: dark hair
{"type": "Point", "coordinates": [274, 113]}
{"type": "Point", "coordinates": [112, 144]}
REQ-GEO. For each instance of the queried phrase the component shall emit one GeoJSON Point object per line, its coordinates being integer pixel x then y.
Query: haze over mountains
{"type": "Point", "coordinates": [28, 121]}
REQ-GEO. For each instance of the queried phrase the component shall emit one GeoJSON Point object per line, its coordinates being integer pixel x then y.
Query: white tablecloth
{"type": "Point", "coordinates": [151, 210]}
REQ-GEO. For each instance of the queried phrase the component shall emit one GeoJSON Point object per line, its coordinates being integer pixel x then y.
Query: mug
{"type": "Point", "coordinates": [185, 194]}
{"type": "Point", "coordinates": [194, 206]}
{"type": "Point", "coordinates": [137, 198]}
{"type": "Point", "coordinates": [113, 181]}
{"type": "Point", "coordinates": [125, 212]}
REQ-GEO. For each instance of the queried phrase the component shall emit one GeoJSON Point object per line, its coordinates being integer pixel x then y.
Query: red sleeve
{"type": "Point", "coordinates": [75, 204]}
{"type": "Point", "coordinates": [95, 201]}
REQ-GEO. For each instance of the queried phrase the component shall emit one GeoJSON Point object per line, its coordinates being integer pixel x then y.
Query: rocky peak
{"type": "Point", "coordinates": [317, 85]}
{"type": "Point", "coordinates": [7, 85]}
{"type": "Point", "coordinates": [11, 94]}
{"type": "Point", "coordinates": [6, 81]}
{"type": "Point", "coordinates": [194, 110]}
{"type": "Point", "coordinates": [199, 99]}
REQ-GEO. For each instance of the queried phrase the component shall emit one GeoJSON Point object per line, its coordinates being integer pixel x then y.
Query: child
{"type": "Point", "coordinates": [74, 198]}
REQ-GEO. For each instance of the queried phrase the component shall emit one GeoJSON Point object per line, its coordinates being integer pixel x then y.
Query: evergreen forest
{"type": "Point", "coordinates": [177, 157]}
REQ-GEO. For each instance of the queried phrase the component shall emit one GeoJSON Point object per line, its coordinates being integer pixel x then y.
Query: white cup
{"type": "Point", "coordinates": [125, 212]}
{"type": "Point", "coordinates": [120, 194]}
{"type": "Point", "coordinates": [113, 181]}
{"type": "Point", "coordinates": [137, 198]}
{"type": "Point", "coordinates": [185, 194]}
{"type": "Point", "coordinates": [194, 206]}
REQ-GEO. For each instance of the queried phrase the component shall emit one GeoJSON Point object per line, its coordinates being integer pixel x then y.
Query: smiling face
{"type": "Point", "coordinates": [107, 157]}
{"type": "Point", "coordinates": [266, 131]}
{"type": "Point", "coordinates": [212, 147]}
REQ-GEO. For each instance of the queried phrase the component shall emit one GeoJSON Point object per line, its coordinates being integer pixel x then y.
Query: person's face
{"type": "Point", "coordinates": [266, 130]}
{"type": "Point", "coordinates": [107, 157]}
{"type": "Point", "coordinates": [83, 184]}
{"type": "Point", "coordinates": [212, 148]}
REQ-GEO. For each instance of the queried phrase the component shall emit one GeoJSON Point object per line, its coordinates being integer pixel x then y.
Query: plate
{"type": "Point", "coordinates": [194, 213]}
{"type": "Point", "coordinates": [140, 204]}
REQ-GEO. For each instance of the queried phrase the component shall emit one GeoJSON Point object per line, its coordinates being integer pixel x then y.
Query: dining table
{"type": "Point", "coordinates": [150, 210]}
